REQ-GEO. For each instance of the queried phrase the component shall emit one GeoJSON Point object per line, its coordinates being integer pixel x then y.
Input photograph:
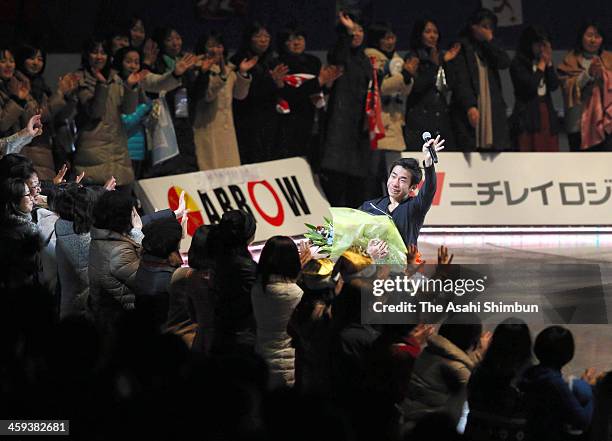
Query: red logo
{"type": "Point", "coordinates": [194, 216]}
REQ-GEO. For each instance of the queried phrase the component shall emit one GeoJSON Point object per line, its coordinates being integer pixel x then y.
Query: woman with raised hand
{"type": "Point", "coordinates": [103, 96]}
{"type": "Point", "coordinates": [426, 106]}
{"type": "Point", "coordinates": [534, 122]}
{"type": "Point", "coordinates": [55, 106]}
{"type": "Point", "coordinates": [255, 116]}
{"type": "Point", "coordinates": [586, 76]}
{"type": "Point", "coordinates": [212, 95]}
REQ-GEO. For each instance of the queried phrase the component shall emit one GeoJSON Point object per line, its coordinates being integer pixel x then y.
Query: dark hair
{"type": "Point", "coordinates": [199, 254]}
{"type": "Point", "coordinates": [290, 30]}
{"type": "Point", "coordinates": [113, 211]}
{"type": "Point", "coordinates": [117, 30]}
{"type": "Point", "coordinates": [251, 29]}
{"type": "Point", "coordinates": [416, 36]}
{"type": "Point", "coordinates": [410, 164]}
{"type": "Point", "coordinates": [161, 34]}
{"type": "Point", "coordinates": [463, 330]}
{"type": "Point", "coordinates": [28, 51]}
{"type": "Point", "coordinates": [11, 193]}
{"type": "Point", "coordinates": [120, 55]}
{"type": "Point", "coordinates": [477, 17]}
{"type": "Point", "coordinates": [91, 45]}
{"type": "Point", "coordinates": [3, 50]}
{"type": "Point", "coordinates": [279, 257]}
{"type": "Point", "coordinates": [510, 346]}
{"type": "Point", "coordinates": [583, 28]}
{"type": "Point", "coordinates": [76, 204]}
{"type": "Point", "coordinates": [200, 47]}
{"type": "Point", "coordinates": [235, 230]}
{"type": "Point", "coordinates": [530, 35]}
{"type": "Point", "coordinates": [162, 237]}
{"type": "Point", "coordinates": [377, 31]}
{"type": "Point", "coordinates": [16, 166]}
{"type": "Point", "coordinates": [554, 346]}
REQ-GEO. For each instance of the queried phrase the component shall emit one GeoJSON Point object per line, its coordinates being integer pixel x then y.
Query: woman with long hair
{"type": "Point", "coordinates": [275, 295]}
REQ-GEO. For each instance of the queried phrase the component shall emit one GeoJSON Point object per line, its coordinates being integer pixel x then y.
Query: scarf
{"type": "Point", "coordinates": [484, 129]}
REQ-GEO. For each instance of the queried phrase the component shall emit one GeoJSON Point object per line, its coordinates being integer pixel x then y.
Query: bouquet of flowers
{"type": "Point", "coordinates": [353, 230]}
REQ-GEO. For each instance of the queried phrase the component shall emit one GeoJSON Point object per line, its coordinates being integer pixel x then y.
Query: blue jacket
{"type": "Point", "coordinates": [409, 215]}
{"type": "Point", "coordinates": [133, 124]}
{"type": "Point", "coordinates": [551, 407]}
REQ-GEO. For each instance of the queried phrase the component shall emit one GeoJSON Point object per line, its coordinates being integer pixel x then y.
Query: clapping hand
{"type": "Point", "coordinates": [278, 74]}
{"type": "Point", "coordinates": [247, 64]}
{"type": "Point", "coordinates": [34, 127]}
{"type": "Point", "coordinates": [378, 249]}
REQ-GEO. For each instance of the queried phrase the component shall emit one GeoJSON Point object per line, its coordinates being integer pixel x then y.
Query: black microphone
{"type": "Point", "coordinates": [432, 151]}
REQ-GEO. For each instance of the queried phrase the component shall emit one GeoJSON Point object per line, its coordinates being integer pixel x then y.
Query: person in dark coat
{"type": "Point", "coordinates": [348, 164]}
{"type": "Point", "coordinates": [160, 259]}
{"type": "Point", "coordinates": [295, 130]}
{"type": "Point", "coordinates": [478, 110]}
{"type": "Point", "coordinates": [255, 117]}
{"type": "Point", "coordinates": [426, 107]}
{"type": "Point", "coordinates": [235, 273]}
{"type": "Point", "coordinates": [534, 122]}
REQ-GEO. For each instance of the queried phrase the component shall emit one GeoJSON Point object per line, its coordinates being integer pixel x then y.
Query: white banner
{"type": "Point", "coordinates": [512, 189]}
{"type": "Point", "coordinates": [509, 12]}
{"type": "Point", "coordinates": [281, 195]}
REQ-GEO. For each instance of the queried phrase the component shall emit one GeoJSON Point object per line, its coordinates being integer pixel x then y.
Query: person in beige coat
{"type": "Point", "coordinates": [213, 127]}
{"type": "Point", "coordinates": [442, 372]}
{"type": "Point", "coordinates": [396, 84]}
{"type": "Point", "coordinates": [101, 149]}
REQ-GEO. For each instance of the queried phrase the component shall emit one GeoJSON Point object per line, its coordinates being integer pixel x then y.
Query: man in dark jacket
{"type": "Point", "coordinates": [407, 211]}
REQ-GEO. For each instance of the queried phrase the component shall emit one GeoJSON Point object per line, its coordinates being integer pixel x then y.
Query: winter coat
{"type": "Point", "coordinates": [394, 89]}
{"type": "Point", "coordinates": [231, 289]}
{"type": "Point", "coordinates": [295, 128]}
{"type": "Point", "coordinates": [526, 114]}
{"type": "Point", "coordinates": [466, 89]}
{"type": "Point", "coordinates": [255, 117]}
{"type": "Point", "coordinates": [113, 261]}
{"type": "Point", "coordinates": [427, 109]}
{"type": "Point", "coordinates": [439, 380]}
{"type": "Point", "coordinates": [213, 127]}
{"type": "Point", "coordinates": [72, 253]}
{"type": "Point", "coordinates": [102, 141]}
{"type": "Point", "coordinates": [552, 408]}
{"type": "Point", "coordinates": [347, 144]}
{"type": "Point", "coordinates": [273, 308]}
{"type": "Point", "coordinates": [191, 312]}
{"type": "Point", "coordinates": [46, 226]}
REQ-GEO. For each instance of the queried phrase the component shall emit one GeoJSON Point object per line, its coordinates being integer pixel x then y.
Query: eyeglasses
{"type": "Point", "coordinates": [34, 185]}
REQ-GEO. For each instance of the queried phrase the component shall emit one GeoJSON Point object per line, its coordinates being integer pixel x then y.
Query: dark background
{"type": "Point", "coordinates": [63, 25]}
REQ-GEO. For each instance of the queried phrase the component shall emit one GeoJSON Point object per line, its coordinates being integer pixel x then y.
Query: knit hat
{"type": "Point", "coordinates": [236, 227]}
{"type": "Point", "coordinates": [162, 237]}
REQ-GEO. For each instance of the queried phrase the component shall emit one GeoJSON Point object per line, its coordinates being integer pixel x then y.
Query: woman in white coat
{"type": "Point", "coordinates": [274, 296]}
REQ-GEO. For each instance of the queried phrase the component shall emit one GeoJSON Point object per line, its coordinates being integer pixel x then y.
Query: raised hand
{"type": "Point", "coordinates": [67, 84]}
{"type": "Point", "coordinates": [443, 257]}
{"type": "Point", "coordinates": [596, 69]}
{"type": "Point", "coordinates": [329, 73]}
{"type": "Point", "coordinates": [412, 254]}
{"type": "Point", "coordinates": [247, 64]}
{"type": "Point", "coordinates": [207, 62]}
{"type": "Point", "coordinates": [411, 65]}
{"type": "Point", "coordinates": [111, 184]}
{"type": "Point", "coordinates": [186, 62]}
{"type": "Point", "coordinates": [181, 211]}
{"type": "Point", "coordinates": [35, 127]}
{"type": "Point", "coordinates": [136, 220]}
{"type": "Point", "coordinates": [421, 333]}
{"type": "Point", "coordinates": [452, 52]}
{"type": "Point", "coordinates": [481, 33]}
{"type": "Point", "coordinates": [346, 21]}
{"type": "Point", "coordinates": [79, 177]}
{"type": "Point", "coordinates": [278, 73]}
{"type": "Point", "coordinates": [19, 85]}
{"type": "Point", "coordinates": [304, 252]}
{"type": "Point", "coordinates": [485, 341]}
{"type": "Point", "coordinates": [59, 177]}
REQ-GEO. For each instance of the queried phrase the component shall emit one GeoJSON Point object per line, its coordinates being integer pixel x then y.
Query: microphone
{"type": "Point", "coordinates": [432, 151]}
